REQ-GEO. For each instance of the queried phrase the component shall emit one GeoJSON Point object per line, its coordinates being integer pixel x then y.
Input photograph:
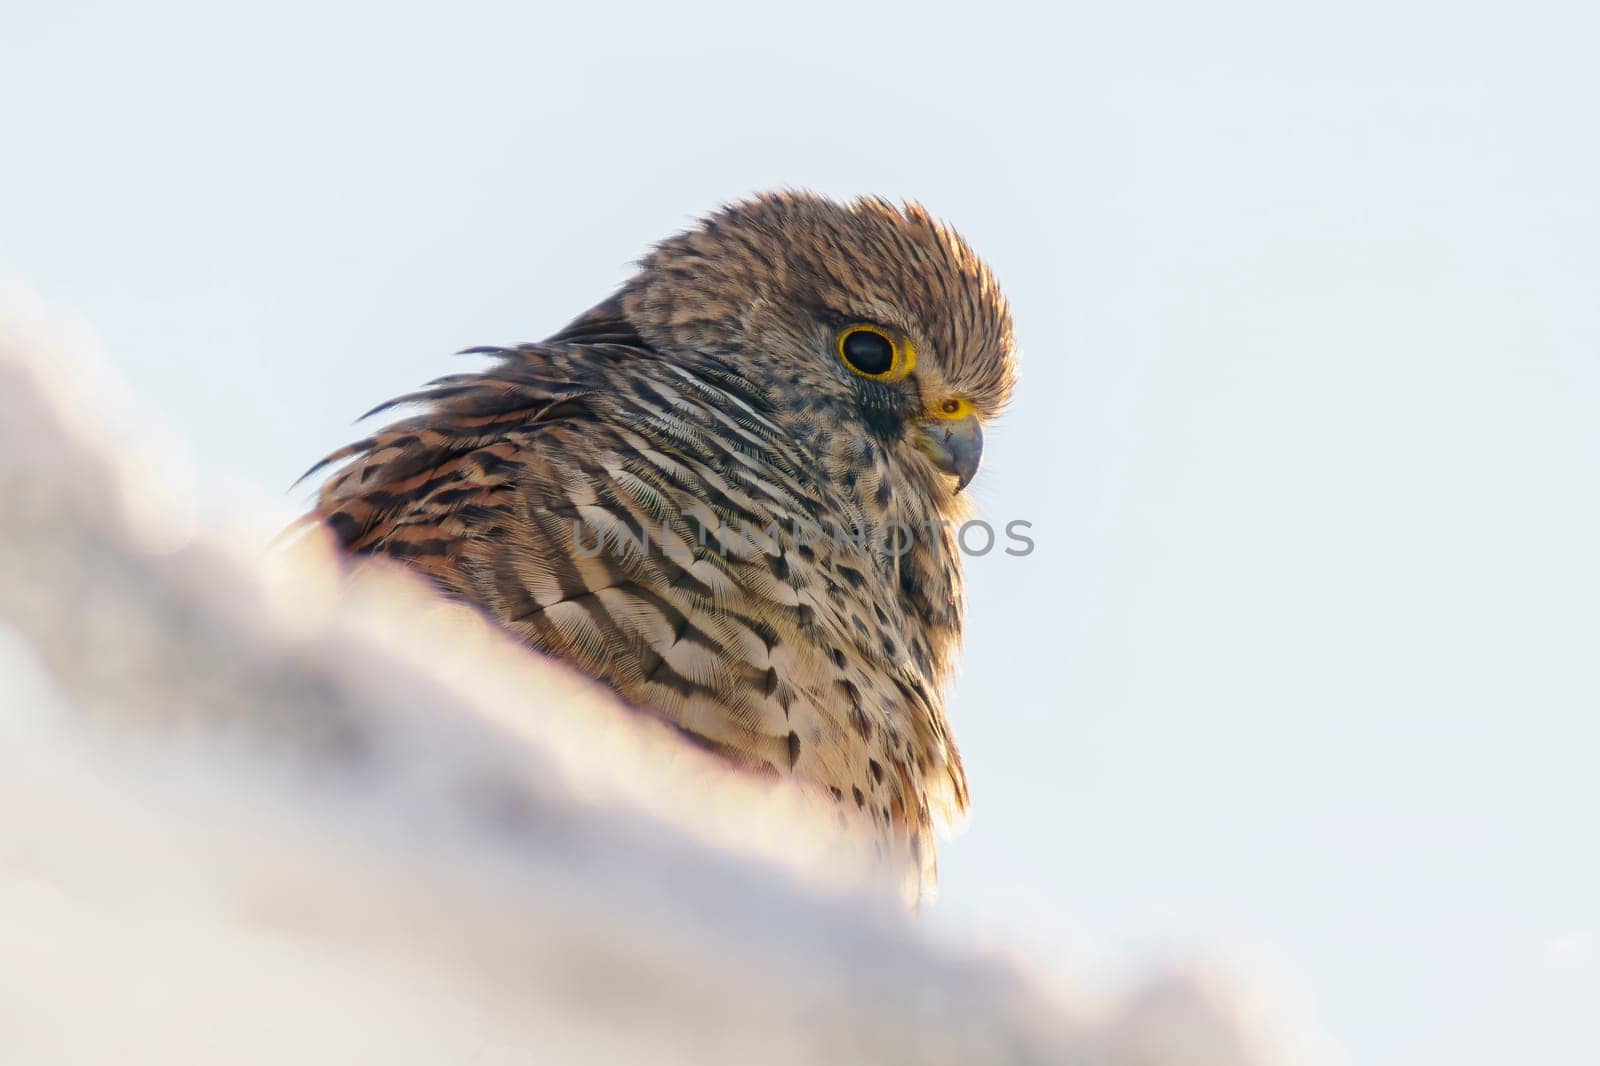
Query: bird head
{"type": "Point", "coordinates": [871, 331]}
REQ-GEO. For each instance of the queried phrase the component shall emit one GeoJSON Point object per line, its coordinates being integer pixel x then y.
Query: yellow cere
{"type": "Point", "coordinates": [953, 407]}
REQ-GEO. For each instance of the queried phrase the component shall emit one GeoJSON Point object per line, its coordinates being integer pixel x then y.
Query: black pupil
{"type": "Point", "coordinates": [869, 352]}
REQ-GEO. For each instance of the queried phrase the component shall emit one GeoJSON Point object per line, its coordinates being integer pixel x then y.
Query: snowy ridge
{"type": "Point", "coordinates": [251, 812]}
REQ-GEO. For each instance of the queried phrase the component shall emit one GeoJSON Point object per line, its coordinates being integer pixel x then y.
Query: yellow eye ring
{"type": "Point", "coordinates": [872, 353]}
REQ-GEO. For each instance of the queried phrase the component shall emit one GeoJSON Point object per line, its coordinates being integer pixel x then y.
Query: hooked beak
{"type": "Point", "coordinates": [954, 445]}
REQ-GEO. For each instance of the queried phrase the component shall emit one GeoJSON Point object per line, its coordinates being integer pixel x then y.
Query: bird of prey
{"type": "Point", "coordinates": [730, 492]}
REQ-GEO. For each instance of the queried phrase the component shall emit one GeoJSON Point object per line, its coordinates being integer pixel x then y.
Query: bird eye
{"type": "Point", "coordinates": [871, 353]}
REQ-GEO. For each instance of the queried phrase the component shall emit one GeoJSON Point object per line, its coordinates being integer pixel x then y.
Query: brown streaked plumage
{"type": "Point", "coordinates": [607, 495]}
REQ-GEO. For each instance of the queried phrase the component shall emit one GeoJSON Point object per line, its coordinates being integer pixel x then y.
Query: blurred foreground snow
{"type": "Point", "coordinates": [251, 813]}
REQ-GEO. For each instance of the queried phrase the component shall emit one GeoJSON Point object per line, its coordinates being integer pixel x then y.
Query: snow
{"type": "Point", "coordinates": [254, 810]}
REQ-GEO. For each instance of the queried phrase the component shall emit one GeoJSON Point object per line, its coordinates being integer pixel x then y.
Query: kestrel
{"type": "Point", "coordinates": [730, 492]}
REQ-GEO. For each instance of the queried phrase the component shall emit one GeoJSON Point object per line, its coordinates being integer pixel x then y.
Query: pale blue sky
{"type": "Point", "coordinates": [1304, 666]}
